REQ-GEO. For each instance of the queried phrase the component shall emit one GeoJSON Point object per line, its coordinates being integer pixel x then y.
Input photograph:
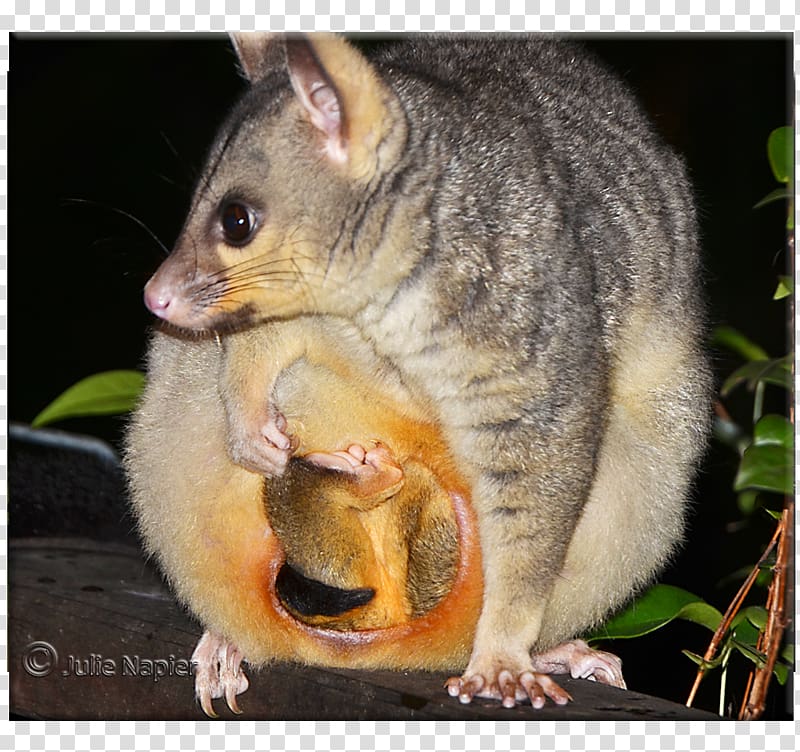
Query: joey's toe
{"type": "Point", "coordinates": [357, 452]}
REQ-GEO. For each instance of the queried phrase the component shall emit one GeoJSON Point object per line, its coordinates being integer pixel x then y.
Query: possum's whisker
{"type": "Point", "coordinates": [242, 271]}
{"type": "Point", "coordinates": [188, 167]}
{"type": "Point", "coordinates": [292, 270]}
{"type": "Point", "coordinates": [251, 265]}
{"type": "Point", "coordinates": [122, 212]}
{"type": "Point", "coordinates": [265, 282]}
{"type": "Point", "coordinates": [229, 272]}
{"type": "Point", "coordinates": [304, 279]}
{"type": "Point", "coordinates": [257, 272]}
{"type": "Point", "coordinates": [218, 290]}
{"type": "Point", "coordinates": [233, 273]}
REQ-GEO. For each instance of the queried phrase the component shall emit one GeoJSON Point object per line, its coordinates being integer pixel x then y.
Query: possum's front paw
{"type": "Point", "coordinates": [506, 680]}
{"type": "Point", "coordinates": [218, 673]}
{"type": "Point", "coordinates": [259, 443]}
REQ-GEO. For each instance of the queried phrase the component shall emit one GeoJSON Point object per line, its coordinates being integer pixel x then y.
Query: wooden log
{"type": "Point", "coordinates": [95, 634]}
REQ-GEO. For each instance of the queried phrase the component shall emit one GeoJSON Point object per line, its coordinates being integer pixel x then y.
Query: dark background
{"type": "Point", "coordinates": [106, 133]}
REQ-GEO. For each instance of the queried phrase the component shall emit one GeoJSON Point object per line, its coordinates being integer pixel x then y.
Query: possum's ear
{"type": "Point", "coordinates": [258, 53]}
{"type": "Point", "coordinates": [343, 97]}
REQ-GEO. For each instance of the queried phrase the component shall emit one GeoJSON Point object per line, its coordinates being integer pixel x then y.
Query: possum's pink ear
{"type": "Point", "coordinates": [319, 95]}
{"type": "Point", "coordinates": [258, 53]}
{"type": "Point", "coordinates": [343, 97]}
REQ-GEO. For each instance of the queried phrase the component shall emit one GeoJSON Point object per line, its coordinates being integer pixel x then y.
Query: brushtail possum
{"type": "Point", "coordinates": [496, 218]}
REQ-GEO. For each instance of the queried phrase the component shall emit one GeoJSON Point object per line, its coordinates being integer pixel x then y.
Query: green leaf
{"type": "Point", "coordinates": [785, 288]}
{"type": "Point", "coordinates": [746, 501]}
{"type": "Point", "coordinates": [767, 463]}
{"type": "Point", "coordinates": [780, 152]}
{"type": "Point", "coordinates": [748, 622]}
{"type": "Point", "coordinates": [757, 616]}
{"type": "Point", "coordinates": [745, 640]}
{"type": "Point", "coordinates": [766, 468]}
{"type": "Point", "coordinates": [658, 606]}
{"type": "Point", "coordinates": [700, 661]}
{"type": "Point", "coordinates": [106, 393]}
{"type": "Point", "coordinates": [777, 372]}
{"type": "Point", "coordinates": [774, 430]}
{"type": "Point", "coordinates": [750, 653]}
{"type": "Point", "coordinates": [781, 672]}
{"type": "Point", "coordinates": [763, 578]}
{"type": "Point", "coordinates": [732, 339]}
{"type": "Point", "coordinates": [779, 194]}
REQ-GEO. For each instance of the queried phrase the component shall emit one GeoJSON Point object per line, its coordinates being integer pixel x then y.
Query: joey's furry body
{"type": "Point", "coordinates": [498, 220]}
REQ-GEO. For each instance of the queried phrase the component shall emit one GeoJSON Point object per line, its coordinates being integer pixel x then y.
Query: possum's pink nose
{"type": "Point", "coordinates": [171, 300]}
{"type": "Point", "coordinates": [167, 302]}
{"type": "Point", "coordinates": [159, 299]}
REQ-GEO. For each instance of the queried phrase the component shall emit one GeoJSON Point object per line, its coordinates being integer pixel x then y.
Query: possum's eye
{"type": "Point", "coordinates": [238, 223]}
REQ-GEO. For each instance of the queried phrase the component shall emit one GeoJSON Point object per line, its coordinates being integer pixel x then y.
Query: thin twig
{"type": "Point", "coordinates": [769, 640]}
{"type": "Point", "coordinates": [733, 609]}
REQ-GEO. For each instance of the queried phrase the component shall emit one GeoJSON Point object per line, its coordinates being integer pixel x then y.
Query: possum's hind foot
{"type": "Point", "coordinates": [580, 661]}
{"type": "Point", "coordinates": [495, 679]}
{"type": "Point", "coordinates": [374, 470]}
{"type": "Point", "coordinates": [218, 672]}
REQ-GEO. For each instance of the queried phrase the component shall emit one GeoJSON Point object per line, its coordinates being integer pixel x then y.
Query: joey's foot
{"type": "Point", "coordinates": [260, 443]}
{"type": "Point", "coordinates": [509, 681]}
{"type": "Point", "coordinates": [218, 673]}
{"type": "Point", "coordinates": [374, 470]}
{"type": "Point", "coordinates": [581, 662]}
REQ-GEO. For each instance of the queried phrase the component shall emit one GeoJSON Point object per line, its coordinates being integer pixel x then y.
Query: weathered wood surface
{"type": "Point", "coordinates": [115, 627]}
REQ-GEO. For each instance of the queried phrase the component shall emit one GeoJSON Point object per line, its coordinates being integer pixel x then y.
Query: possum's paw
{"type": "Point", "coordinates": [376, 473]}
{"type": "Point", "coordinates": [259, 443]}
{"type": "Point", "coordinates": [218, 673]}
{"type": "Point", "coordinates": [508, 681]}
{"type": "Point", "coordinates": [581, 662]}
{"type": "Point", "coordinates": [511, 682]}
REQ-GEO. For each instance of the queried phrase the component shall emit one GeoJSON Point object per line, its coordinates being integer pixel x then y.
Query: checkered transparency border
{"type": "Point", "coordinates": [393, 15]}
{"type": "Point", "coordinates": [347, 15]}
{"type": "Point", "coordinates": [397, 735]}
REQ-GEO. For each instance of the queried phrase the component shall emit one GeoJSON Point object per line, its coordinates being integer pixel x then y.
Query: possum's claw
{"type": "Point", "coordinates": [581, 662]}
{"type": "Point", "coordinates": [218, 673]}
